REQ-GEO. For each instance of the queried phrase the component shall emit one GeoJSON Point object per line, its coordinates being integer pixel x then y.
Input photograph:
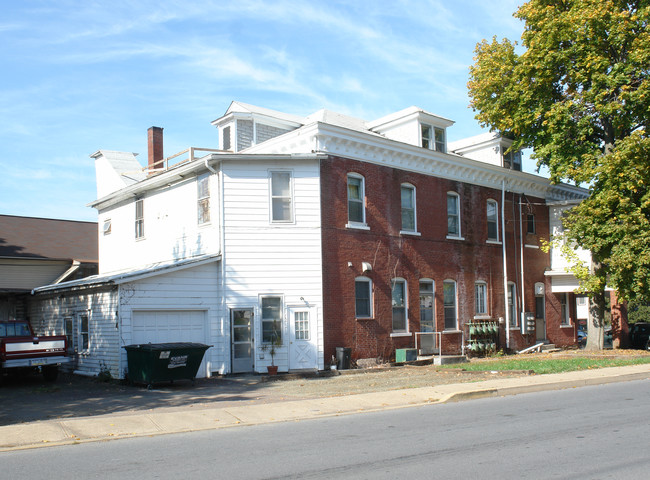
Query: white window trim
{"type": "Point", "coordinates": [486, 312]}
{"type": "Point", "coordinates": [199, 179]}
{"type": "Point", "coordinates": [351, 224]}
{"type": "Point", "coordinates": [406, 307]}
{"type": "Point", "coordinates": [514, 323]}
{"type": "Point", "coordinates": [291, 197]}
{"type": "Point", "coordinates": [566, 321]}
{"type": "Point", "coordinates": [414, 231]}
{"type": "Point", "coordinates": [449, 280]}
{"type": "Point", "coordinates": [371, 299]}
{"type": "Point", "coordinates": [261, 317]}
{"type": "Point", "coordinates": [496, 220]}
{"type": "Point", "coordinates": [433, 303]}
{"type": "Point", "coordinates": [139, 219]}
{"type": "Point", "coordinates": [459, 235]}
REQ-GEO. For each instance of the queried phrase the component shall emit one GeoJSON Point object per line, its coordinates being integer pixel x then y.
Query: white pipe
{"type": "Point", "coordinates": [505, 263]}
{"type": "Point", "coordinates": [522, 318]}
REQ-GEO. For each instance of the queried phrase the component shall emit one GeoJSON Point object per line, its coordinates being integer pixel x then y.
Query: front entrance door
{"type": "Point", "coordinates": [302, 348]}
{"type": "Point", "coordinates": [242, 340]}
{"type": "Point", "coordinates": [540, 329]}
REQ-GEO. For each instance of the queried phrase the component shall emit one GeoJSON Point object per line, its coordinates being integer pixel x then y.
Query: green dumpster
{"type": "Point", "coordinates": [164, 362]}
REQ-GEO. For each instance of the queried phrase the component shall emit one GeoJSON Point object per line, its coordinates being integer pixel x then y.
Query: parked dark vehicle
{"type": "Point", "coordinates": [640, 335]}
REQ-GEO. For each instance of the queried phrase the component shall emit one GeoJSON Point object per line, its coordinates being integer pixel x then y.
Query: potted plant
{"type": "Point", "coordinates": [272, 347]}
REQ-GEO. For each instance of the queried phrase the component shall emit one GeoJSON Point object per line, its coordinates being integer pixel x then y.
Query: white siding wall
{"type": "Point", "coordinates": [195, 288]}
{"type": "Point", "coordinates": [558, 261]}
{"type": "Point", "coordinates": [264, 258]}
{"type": "Point", "coordinates": [171, 230]}
{"type": "Point", "coordinates": [47, 314]}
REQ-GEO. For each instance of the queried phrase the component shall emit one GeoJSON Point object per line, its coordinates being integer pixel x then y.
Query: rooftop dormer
{"type": "Point", "coordinates": [489, 148]}
{"type": "Point", "coordinates": [244, 125]}
{"type": "Point", "coordinates": [414, 126]}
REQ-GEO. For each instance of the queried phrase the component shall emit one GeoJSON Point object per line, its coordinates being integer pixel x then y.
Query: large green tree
{"type": "Point", "coordinates": [576, 90]}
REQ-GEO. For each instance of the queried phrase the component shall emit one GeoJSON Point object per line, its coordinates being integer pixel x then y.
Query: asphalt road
{"type": "Point", "coordinates": [590, 432]}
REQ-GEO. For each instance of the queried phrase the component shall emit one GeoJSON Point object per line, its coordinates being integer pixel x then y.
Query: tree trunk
{"type": "Point", "coordinates": [596, 322]}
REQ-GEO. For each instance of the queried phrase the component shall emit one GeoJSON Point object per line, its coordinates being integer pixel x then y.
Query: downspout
{"type": "Point", "coordinates": [73, 268]}
{"type": "Point", "coordinates": [505, 263]}
{"type": "Point", "coordinates": [522, 318]}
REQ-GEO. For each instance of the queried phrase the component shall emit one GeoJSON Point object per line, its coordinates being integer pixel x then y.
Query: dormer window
{"type": "Point", "coordinates": [512, 160]}
{"type": "Point", "coordinates": [433, 138]}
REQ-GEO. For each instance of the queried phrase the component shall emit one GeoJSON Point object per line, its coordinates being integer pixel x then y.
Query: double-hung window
{"type": "Point", "coordinates": [363, 297]}
{"type": "Point", "coordinates": [399, 306]}
{"type": "Point", "coordinates": [564, 309]}
{"type": "Point", "coordinates": [427, 323]}
{"type": "Point", "coordinates": [449, 303]}
{"type": "Point", "coordinates": [408, 208]}
{"type": "Point", "coordinates": [512, 304]}
{"type": "Point", "coordinates": [530, 223]}
{"type": "Point", "coordinates": [480, 298]}
{"type": "Point", "coordinates": [453, 215]}
{"type": "Point", "coordinates": [281, 197]}
{"type": "Point", "coordinates": [433, 138]}
{"type": "Point", "coordinates": [203, 198]}
{"type": "Point", "coordinates": [271, 320]}
{"type": "Point", "coordinates": [356, 200]}
{"type": "Point", "coordinates": [493, 220]}
{"type": "Point", "coordinates": [139, 218]}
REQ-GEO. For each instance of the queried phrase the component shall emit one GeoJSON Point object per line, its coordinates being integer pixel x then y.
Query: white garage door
{"type": "Point", "coordinates": [161, 326]}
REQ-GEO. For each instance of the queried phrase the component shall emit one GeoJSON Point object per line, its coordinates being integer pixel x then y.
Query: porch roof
{"type": "Point", "coordinates": [117, 278]}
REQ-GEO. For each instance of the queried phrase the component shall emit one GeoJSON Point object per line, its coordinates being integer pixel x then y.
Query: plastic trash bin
{"type": "Point", "coordinates": [343, 358]}
{"type": "Point", "coordinates": [164, 362]}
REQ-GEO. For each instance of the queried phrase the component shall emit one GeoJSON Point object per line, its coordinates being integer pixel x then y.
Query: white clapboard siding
{"type": "Point", "coordinates": [191, 289]}
{"type": "Point", "coordinates": [264, 258]}
{"type": "Point", "coordinates": [171, 230]}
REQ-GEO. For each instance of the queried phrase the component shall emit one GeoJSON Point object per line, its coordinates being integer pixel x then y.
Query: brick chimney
{"type": "Point", "coordinates": [155, 138]}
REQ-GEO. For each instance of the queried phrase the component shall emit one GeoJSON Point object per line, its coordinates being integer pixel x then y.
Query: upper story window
{"type": "Point", "coordinates": [408, 208]}
{"type": "Point", "coordinates": [399, 306]}
{"type": "Point", "coordinates": [281, 197]}
{"type": "Point", "coordinates": [203, 198]}
{"type": "Point", "coordinates": [363, 297]}
{"type": "Point", "coordinates": [226, 144]}
{"type": "Point", "coordinates": [107, 226]}
{"type": "Point", "coordinates": [433, 138]}
{"type": "Point", "coordinates": [356, 200]}
{"type": "Point", "coordinates": [530, 223]}
{"type": "Point", "coordinates": [453, 214]}
{"type": "Point", "coordinates": [512, 160]}
{"type": "Point", "coordinates": [480, 298]}
{"type": "Point", "coordinates": [427, 323]}
{"type": "Point", "coordinates": [492, 220]}
{"type": "Point", "coordinates": [450, 304]}
{"type": "Point", "coordinates": [139, 218]}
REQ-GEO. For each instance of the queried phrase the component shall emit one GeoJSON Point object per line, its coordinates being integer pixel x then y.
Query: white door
{"type": "Point", "coordinates": [162, 326]}
{"type": "Point", "coordinates": [302, 346]}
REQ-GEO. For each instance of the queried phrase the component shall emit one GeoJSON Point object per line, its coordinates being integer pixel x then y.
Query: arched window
{"type": "Point", "coordinates": [450, 303]}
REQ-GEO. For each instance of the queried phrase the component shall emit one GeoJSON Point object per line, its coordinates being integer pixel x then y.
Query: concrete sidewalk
{"type": "Point", "coordinates": [175, 420]}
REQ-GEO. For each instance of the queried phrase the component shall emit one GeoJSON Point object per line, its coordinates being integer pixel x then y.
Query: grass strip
{"type": "Point", "coordinates": [548, 365]}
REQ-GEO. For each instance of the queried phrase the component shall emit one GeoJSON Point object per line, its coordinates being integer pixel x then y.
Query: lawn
{"type": "Point", "coordinates": [541, 364]}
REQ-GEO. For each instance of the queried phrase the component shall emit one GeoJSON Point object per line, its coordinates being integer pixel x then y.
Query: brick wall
{"type": "Point", "coordinates": [427, 256]}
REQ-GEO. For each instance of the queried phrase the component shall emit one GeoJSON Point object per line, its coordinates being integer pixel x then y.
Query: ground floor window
{"type": "Point", "coordinates": [480, 298]}
{"type": "Point", "coordinates": [399, 305]}
{"type": "Point", "coordinates": [449, 301]}
{"type": "Point", "coordinates": [271, 320]}
{"type": "Point", "coordinates": [363, 297]}
{"type": "Point", "coordinates": [512, 304]}
{"type": "Point", "coordinates": [564, 309]}
{"type": "Point", "coordinates": [427, 323]}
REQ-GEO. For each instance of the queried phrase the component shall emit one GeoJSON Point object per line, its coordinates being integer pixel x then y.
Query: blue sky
{"type": "Point", "coordinates": [79, 76]}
